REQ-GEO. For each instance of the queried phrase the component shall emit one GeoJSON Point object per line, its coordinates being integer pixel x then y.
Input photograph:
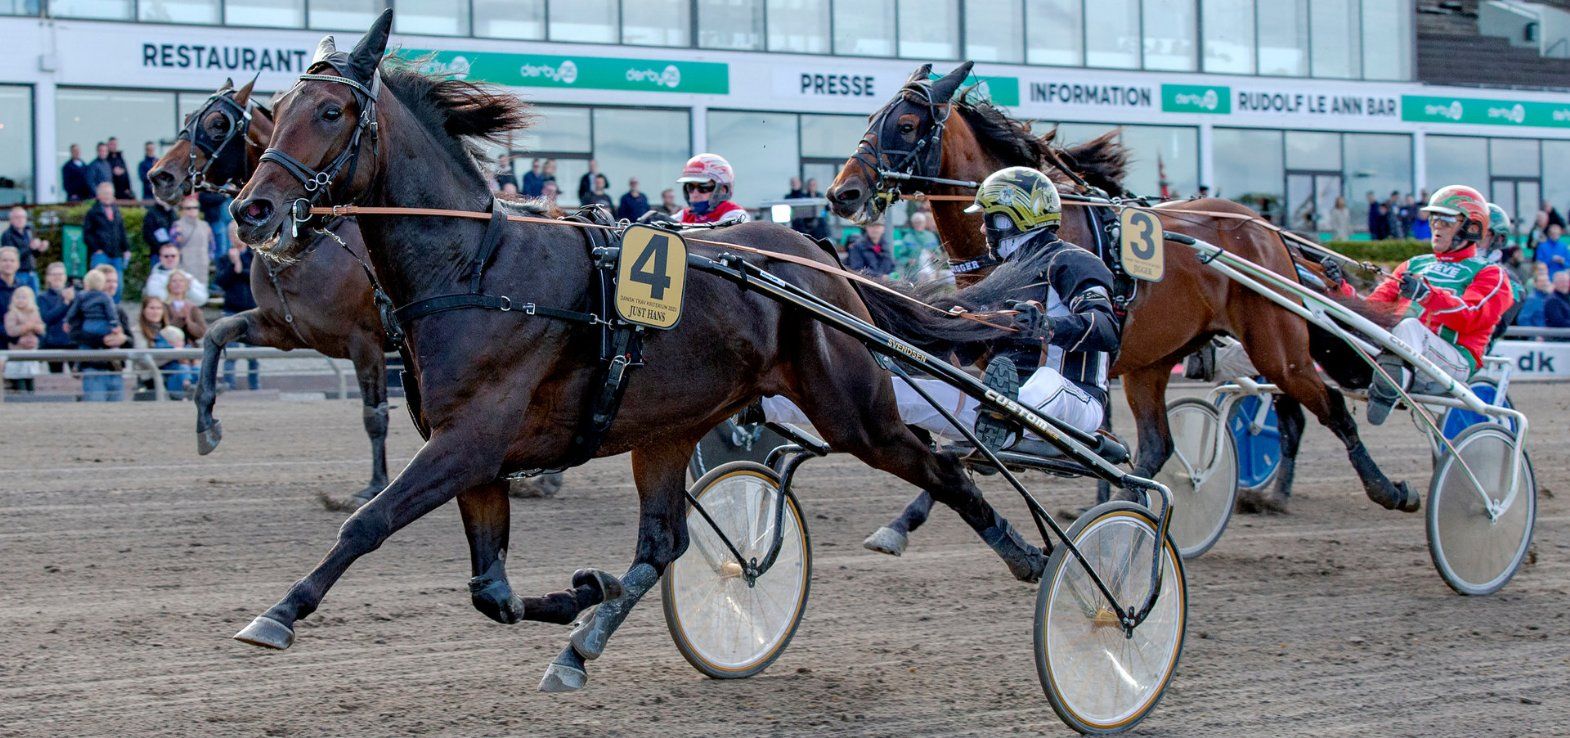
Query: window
{"type": "Point", "coordinates": [1249, 168]}
{"type": "Point", "coordinates": [1229, 36]}
{"type": "Point", "coordinates": [1115, 41]}
{"type": "Point", "coordinates": [1283, 40]}
{"type": "Point", "coordinates": [1455, 160]}
{"type": "Point", "coordinates": [1170, 30]}
{"type": "Point", "coordinates": [1164, 153]}
{"type": "Point", "coordinates": [19, 7]}
{"type": "Point", "coordinates": [1336, 45]}
{"type": "Point", "coordinates": [1387, 39]}
{"type": "Point", "coordinates": [268, 13]}
{"type": "Point", "coordinates": [761, 147]}
{"type": "Point", "coordinates": [347, 15]}
{"type": "Point", "coordinates": [557, 130]}
{"type": "Point", "coordinates": [1313, 150]}
{"type": "Point", "coordinates": [830, 136]}
{"type": "Point", "coordinates": [656, 22]}
{"type": "Point", "coordinates": [1054, 33]}
{"type": "Point", "coordinates": [730, 24]}
{"type": "Point", "coordinates": [651, 145]}
{"type": "Point", "coordinates": [1512, 157]}
{"type": "Point", "coordinates": [87, 116]}
{"type": "Point", "coordinates": [929, 29]}
{"type": "Point", "coordinates": [800, 26]}
{"type": "Point", "coordinates": [591, 21]}
{"type": "Point", "coordinates": [1378, 162]}
{"type": "Point", "coordinates": [432, 17]}
{"type": "Point", "coordinates": [864, 28]}
{"type": "Point", "coordinates": [16, 145]}
{"type": "Point", "coordinates": [178, 11]}
{"type": "Point", "coordinates": [993, 30]}
{"type": "Point", "coordinates": [1556, 179]}
{"type": "Point", "coordinates": [523, 19]}
{"type": "Point", "coordinates": [107, 9]}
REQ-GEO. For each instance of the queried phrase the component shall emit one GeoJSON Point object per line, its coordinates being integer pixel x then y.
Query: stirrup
{"type": "Point", "coordinates": [993, 429]}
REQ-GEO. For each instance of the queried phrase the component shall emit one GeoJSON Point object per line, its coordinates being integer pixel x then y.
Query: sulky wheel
{"type": "Point", "coordinates": [731, 441]}
{"type": "Point", "coordinates": [1258, 444]}
{"type": "Point", "coordinates": [1477, 554]}
{"type": "Point", "coordinates": [1202, 475]}
{"type": "Point", "coordinates": [1099, 679]}
{"type": "Point", "coordinates": [723, 625]}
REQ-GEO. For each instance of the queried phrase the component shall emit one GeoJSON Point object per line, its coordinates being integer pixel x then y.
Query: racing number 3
{"type": "Point", "coordinates": [1143, 256]}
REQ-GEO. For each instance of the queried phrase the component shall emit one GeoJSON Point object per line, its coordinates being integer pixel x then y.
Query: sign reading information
{"type": "Point", "coordinates": [1143, 255]}
{"type": "Point", "coordinates": [585, 72]}
{"type": "Point", "coordinates": [651, 277]}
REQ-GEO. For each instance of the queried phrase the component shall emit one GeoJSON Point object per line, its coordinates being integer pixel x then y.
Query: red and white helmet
{"type": "Point", "coordinates": [706, 168]}
{"type": "Point", "coordinates": [1465, 203]}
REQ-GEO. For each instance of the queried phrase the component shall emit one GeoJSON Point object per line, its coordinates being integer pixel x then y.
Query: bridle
{"type": "Point", "coordinates": [887, 167]}
{"type": "Point", "coordinates": [318, 182]}
{"type": "Point", "coordinates": [237, 121]}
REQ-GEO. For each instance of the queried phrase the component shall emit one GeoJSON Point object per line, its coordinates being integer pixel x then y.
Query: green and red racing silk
{"type": "Point", "coordinates": [1466, 298]}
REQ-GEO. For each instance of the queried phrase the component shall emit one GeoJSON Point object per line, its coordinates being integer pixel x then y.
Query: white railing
{"type": "Point", "coordinates": [141, 362]}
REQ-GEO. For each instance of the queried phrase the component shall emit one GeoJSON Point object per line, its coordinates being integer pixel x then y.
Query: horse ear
{"type": "Point", "coordinates": [944, 89]}
{"type": "Point", "coordinates": [367, 55]}
{"type": "Point", "coordinates": [244, 95]}
{"type": "Point", "coordinates": [920, 75]}
{"type": "Point", "coordinates": [228, 83]}
{"type": "Point", "coordinates": [326, 48]}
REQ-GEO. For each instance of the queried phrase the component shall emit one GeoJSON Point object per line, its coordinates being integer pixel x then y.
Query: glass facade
{"type": "Point", "coordinates": [864, 28]}
{"type": "Point", "coordinates": [1055, 32]}
{"type": "Point", "coordinates": [767, 149]}
{"type": "Point", "coordinates": [86, 116]}
{"type": "Point", "coordinates": [650, 145]}
{"type": "Point", "coordinates": [800, 26]}
{"type": "Point", "coordinates": [522, 19]}
{"type": "Point", "coordinates": [585, 21]}
{"type": "Point", "coordinates": [930, 30]}
{"type": "Point", "coordinates": [730, 24]}
{"type": "Point", "coordinates": [1115, 40]}
{"type": "Point", "coordinates": [1171, 35]}
{"type": "Point", "coordinates": [178, 11]}
{"type": "Point", "coordinates": [1158, 154]}
{"type": "Point", "coordinates": [1294, 176]}
{"type": "Point", "coordinates": [343, 15]}
{"type": "Point", "coordinates": [993, 30]}
{"type": "Point", "coordinates": [1283, 41]}
{"type": "Point", "coordinates": [16, 144]}
{"type": "Point", "coordinates": [432, 17]}
{"type": "Point", "coordinates": [1229, 36]}
{"type": "Point", "coordinates": [654, 22]}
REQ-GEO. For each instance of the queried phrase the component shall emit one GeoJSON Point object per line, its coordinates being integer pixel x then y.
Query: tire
{"type": "Point", "coordinates": [1199, 511]}
{"type": "Point", "coordinates": [729, 442]}
{"type": "Point", "coordinates": [1258, 453]}
{"type": "Point", "coordinates": [708, 610]}
{"type": "Point", "coordinates": [1081, 659]}
{"type": "Point", "coordinates": [1474, 555]}
{"type": "Point", "coordinates": [1458, 419]}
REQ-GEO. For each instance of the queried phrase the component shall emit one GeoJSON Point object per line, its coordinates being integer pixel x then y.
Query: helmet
{"type": "Point", "coordinates": [1498, 223]}
{"type": "Point", "coordinates": [707, 169]}
{"type": "Point", "coordinates": [1465, 202]}
{"type": "Point", "coordinates": [1016, 201]}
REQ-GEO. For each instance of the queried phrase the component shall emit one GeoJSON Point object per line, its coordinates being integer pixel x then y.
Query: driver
{"type": "Point", "coordinates": [708, 183]}
{"type": "Point", "coordinates": [1452, 299]}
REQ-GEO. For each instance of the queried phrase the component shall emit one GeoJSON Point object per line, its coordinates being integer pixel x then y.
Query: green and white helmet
{"type": "Point", "coordinates": [1015, 201]}
{"type": "Point", "coordinates": [1498, 224]}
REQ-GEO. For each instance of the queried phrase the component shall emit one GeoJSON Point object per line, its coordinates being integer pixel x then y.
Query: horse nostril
{"type": "Point", "coordinates": [847, 195]}
{"type": "Point", "coordinates": [255, 211]}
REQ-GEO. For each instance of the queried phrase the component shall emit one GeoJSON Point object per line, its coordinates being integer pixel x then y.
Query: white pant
{"type": "Point", "coordinates": [1444, 354]}
{"type": "Point", "coordinates": [1232, 362]}
{"type": "Point", "coordinates": [1046, 390]}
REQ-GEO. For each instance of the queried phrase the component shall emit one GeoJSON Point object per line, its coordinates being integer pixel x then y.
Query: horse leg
{"type": "Point", "coordinates": [661, 475]}
{"type": "Point", "coordinates": [370, 368]}
{"type": "Point", "coordinates": [1146, 390]}
{"type": "Point", "coordinates": [892, 538]}
{"type": "Point", "coordinates": [221, 333]}
{"type": "Point", "coordinates": [486, 523]}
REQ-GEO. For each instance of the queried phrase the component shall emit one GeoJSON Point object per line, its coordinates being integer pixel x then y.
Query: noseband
{"type": "Point", "coordinates": [318, 182]}
{"type": "Point", "coordinates": [888, 167]}
{"type": "Point", "coordinates": [238, 124]}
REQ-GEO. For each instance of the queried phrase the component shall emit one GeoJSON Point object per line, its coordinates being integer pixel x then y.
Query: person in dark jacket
{"type": "Point", "coordinates": [53, 302]}
{"type": "Point", "coordinates": [103, 231]}
{"type": "Point", "coordinates": [96, 322]}
{"type": "Point", "coordinates": [120, 173]}
{"type": "Point", "coordinates": [1378, 219]}
{"type": "Point", "coordinates": [99, 170]}
{"type": "Point", "coordinates": [28, 245]}
{"type": "Point", "coordinates": [234, 278]}
{"type": "Point", "coordinates": [149, 158]}
{"type": "Point", "coordinates": [872, 253]}
{"type": "Point", "coordinates": [155, 225]}
{"type": "Point", "coordinates": [586, 182]}
{"type": "Point", "coordinates": [73, 177]}
{"type": "Point", "coordinates": [633, 204]}
{"type": "Point", "coordinates": [1556, 311]}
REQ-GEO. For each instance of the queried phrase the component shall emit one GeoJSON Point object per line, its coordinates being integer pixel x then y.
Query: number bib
{"type": "Point", "coordinates": [651, 277]}
{"type": "Point", "coordinates": [1142, 247]}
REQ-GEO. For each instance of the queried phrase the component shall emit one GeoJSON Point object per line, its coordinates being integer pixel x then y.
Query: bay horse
{"type": "Point", "coordinates": [505, 389]}
{"type": "Point", "coordinates": [925, 131]}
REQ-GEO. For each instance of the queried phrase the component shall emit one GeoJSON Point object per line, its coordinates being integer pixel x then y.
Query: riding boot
{"type": "Point", "coordinates": [1382, 395]}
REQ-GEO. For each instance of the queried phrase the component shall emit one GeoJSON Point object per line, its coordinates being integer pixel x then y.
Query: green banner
{"type": "Point", "coordinates": [1206, 99]}
{"type": "Point", "coordinates": [1478, 111]}
{"type": "Point", "coordinates": [73, 250]}
{"type": "Point", "coordinates": [573, 71]}
{"type": "Point", "coordinates": [998, 90]}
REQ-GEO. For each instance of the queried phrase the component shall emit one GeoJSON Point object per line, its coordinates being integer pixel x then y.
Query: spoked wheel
{"type": "Point", "coordinates": [1258, 447]}
{"type": "Point", "coordinates": [1098, 679]}
{"type": "Point", "coordinates": [730, 441]}
{"type": "Point", "coordinates": [1202, 475]}
{"type": "Point", "coordinates": [1477, 554]}
{"type": "Point", "coordinates": [723, 625]}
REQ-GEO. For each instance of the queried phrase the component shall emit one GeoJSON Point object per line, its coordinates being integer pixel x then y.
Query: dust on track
{"type": "Point", "coordinates": [127, 561]}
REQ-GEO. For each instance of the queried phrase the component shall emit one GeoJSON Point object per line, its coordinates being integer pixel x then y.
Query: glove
{"type": "Point", "coordinates": [655, 216]}
{"type": "Point", "coordinates": [1413, 287]}
{"type": "Point", "coordinates": [1031, 320]}
{"type": "Point", "coordinates": [1333, 273]}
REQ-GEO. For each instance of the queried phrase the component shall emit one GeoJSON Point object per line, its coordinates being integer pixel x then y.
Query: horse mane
{"type": "Point", "coordinates": [1102, 161]}
{"type": "Point", "coordinates": [466, 114]}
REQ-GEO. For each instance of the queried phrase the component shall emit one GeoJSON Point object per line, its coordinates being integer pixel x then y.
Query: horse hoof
{"type": "Point", "coordinates": [1252, 503]}
{"type": "Point", "coordinates": [585, 639]}
{"type": "Point", "coordinates": [886, 540]}
{"type": "Point", "coordinates": [544, 485]}
{"type": "Point", "coordinates": [1410, 500]}
{"type": "Point", "coordinates": [607, 583]}
{"type": "Point", "coordinates": [562, 678]}
{"type": "Point", "coordinates": [207, 440]}
{"type": "Point", "coordinates": [267, 633]}
{"type": "Point", "coordinates": [339, 504]}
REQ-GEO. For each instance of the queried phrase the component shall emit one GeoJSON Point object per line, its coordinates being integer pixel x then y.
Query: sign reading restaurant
{"type": "Point", "coordinates": [224, 58]}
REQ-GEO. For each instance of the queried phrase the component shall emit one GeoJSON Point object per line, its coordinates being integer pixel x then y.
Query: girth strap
{"type": "Point", "coordinates": [432, 305]}
{"type": "Point", "coordinates": [493, 238]}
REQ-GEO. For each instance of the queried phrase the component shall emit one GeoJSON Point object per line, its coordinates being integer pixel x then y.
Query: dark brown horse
{"type": "Point", "coordinates": [505, 390]}
{"type": "Point", "coordinates": [925, 132]}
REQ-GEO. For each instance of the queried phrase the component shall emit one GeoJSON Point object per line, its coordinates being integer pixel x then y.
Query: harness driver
{"type": "Point", "coordinates": [708, 182]}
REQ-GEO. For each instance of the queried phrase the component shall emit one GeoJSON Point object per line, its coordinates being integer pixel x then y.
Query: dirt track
{"type": "Point", "coordinates": [126, 561]}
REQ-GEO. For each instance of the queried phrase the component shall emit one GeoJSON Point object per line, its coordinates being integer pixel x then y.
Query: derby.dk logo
{"type": "Point", "coordinates": [1207, 101]}
{"type": "Point", "coordinates": [565, 73]}
{"type": "Point", "coordinates": [458, 68]}
{"type": "Point", "coordinates": [670, 78]}
{"type": "Point", "coordinates": [1515, 113]}
{"type": "Point", "coordinates": [1452, 111]}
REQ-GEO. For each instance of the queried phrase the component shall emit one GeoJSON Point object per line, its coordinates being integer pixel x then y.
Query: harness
{"type": "Point", "coordinates": [920, 162]}
{"type": "Point", "coordinates": [318, 182]}
{"type": "Point", "coordinates": [238, 124]}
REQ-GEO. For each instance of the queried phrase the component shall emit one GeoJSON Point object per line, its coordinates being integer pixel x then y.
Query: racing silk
{"type": "Point", "coordinates": [725, 212]}
{"type": "Point", "coordinates": [1468, 295]}
{"type": "Point", "coordinates": [1076, 293]}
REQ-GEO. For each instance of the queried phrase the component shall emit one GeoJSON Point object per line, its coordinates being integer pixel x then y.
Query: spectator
{"type": "Point", "coordinates": [509, 191]}
{"type": "Point", "coordinates": [182, 311]}
{"type": "Point", "coordinates": [179, 375]}
{"type": "Point", "coordinates": [533, 180]}
{"type": "Point", "coordinates": [633, 204]}
{"type": "Point", "coordinates": [99, 170]}
{"type": "Point", "coordinates": [1378, 222]}
{"type": "Point", "coordinates": [234, 278]}
{"type": "Point", "coordinates": [586, 182]}
{"type": "Point", "coordinates": [1340, 221]}
{"type": "Point", "coordinates": [1420, 229]}
{"type": "Point", "coordinates": [548, 193]}
{"type": "Point", "coordinates": [818, 225]}
{"type": "Point", "coordinates": [154, 332]}
{"type": "Point", "coordinates": [9, 263]}
{"type": "Point", "coordinates": [195, 238]}
{"type": "Point", "coordinates": [1393, 215]}
{"type": "Point", "coordinates": [1521, 270]}
{"type": "Point", "coordinates": [53, 303]}
{"type": "Point", "coordinates": [103, 231]}
{"type": "Point", "coordinates": [1553, 251]}
{"type": "Point", "coordinates": [1556, 312]}
{"type": "Point", "coordinates": [1553, 216]}
{"type": "Point", "coordinates": [1406, 216]}
{"type": "Point", "coordinates": [74, 177]}
{"type": "Point", "coordinates": [156, 222]}
{"type": "Point", "coordinates": [801, 215]}
{"type": "Point", "coordinates": [119, 172]}
{"type": "Point", "coordinates": [169, 264]}
{"type": "Point", "coordinates": [668, 204]}
{"type": "Point", "coordinates": [1204, 192]}
{"type": "Point", "coordinates": [1536, 302]}
{"type": "Point", "coordinates": [19, 235]}
{"type": "Point", "coordinates": [24, 329]}
{"type": "Point", "coordinates": [871, 252]}
{"type": "Point", "coordinates": [598, 196]}
{"type": "Point", "coordinates": [914, 252]}
{"type": "Point", "coordinates": [504, 175]}
{"type": "Point", "coordinates": [149, 158]}
{"type": "Point", "coordinates": [795, 189]}
{"type": "Point", "coordinates": [215, 210]}
{"type": "Point", "coordinates": [548, 174]}
{"type": "Point", "coordinates": [95, 323]}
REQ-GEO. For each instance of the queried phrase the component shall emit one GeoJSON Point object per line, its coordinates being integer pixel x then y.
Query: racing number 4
{"type": "Point", "coordinates": [656, 278]}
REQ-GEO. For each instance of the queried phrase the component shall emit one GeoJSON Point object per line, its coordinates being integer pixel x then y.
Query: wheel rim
{"type": "Point", "coordinates": [1102, 678]}
{"type": "Point", "coordinates": [1259, 453]}
{"type": "Point", "coordinates": [727, 624]}
{"type": "Point", "coordinates": [1475, 554]}
{"type": "Point", "coordinates": [1200, 511]}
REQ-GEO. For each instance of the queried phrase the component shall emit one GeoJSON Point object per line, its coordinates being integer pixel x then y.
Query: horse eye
{"type": "Point", "coordinates": [906, 128]}
{"type": "Point", "coordinates": [332, 113]}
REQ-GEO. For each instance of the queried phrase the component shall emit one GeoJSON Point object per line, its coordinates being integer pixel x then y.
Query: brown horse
{"type": "Point", "coordinates": [926, 133]}
{"type": "Point", "coordinates": [505, 388]}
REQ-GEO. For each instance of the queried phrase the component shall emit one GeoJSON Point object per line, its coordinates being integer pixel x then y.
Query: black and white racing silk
{"type": "Point", "coordinates": [1076, 289]}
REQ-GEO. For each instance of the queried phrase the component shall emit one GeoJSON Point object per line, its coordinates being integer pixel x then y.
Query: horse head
{"type": "Point", "coordinates": [209, 152]}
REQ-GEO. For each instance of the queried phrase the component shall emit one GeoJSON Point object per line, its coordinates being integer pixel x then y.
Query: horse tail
{"type": "Point", "coordinates": [932, 331]}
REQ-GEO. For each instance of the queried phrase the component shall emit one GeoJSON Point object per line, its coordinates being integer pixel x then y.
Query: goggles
{"type": "Point", "coordinates": [699, 186]}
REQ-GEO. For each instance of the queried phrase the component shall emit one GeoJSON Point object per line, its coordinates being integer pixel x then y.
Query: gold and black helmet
{"type": "Point", "coordinates": [1015, 201]}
